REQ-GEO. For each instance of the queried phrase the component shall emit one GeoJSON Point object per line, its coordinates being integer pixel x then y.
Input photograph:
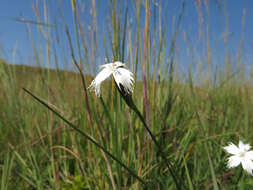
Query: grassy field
{"type": "Point", "coordinates": [192, 118]}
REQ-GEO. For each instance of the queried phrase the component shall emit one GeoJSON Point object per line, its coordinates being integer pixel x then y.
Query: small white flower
{"type": "Point", "coordinates": [240, 155]}
{"type": "Point", "coordinates": [122, 76]}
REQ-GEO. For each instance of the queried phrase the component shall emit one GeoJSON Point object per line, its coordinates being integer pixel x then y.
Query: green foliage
{"type": "Point", "coordinates": [191, 117]}
{"type": "Point", "coordinates": [78, 183]}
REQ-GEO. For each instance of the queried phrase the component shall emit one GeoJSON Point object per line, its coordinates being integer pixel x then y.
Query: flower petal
{"type": "Point", "coordinates": [119, 64]}
{"type": "Point", "coordinates": [247, 165]}
{"type": "Point", "coordinates": [232, 149]}
{"type": "Point", "coordinates": [106, 66]}
{"type": "Point", "coordinates": [233, 161]}
{"type": "Point", "coordinates": [244, 147]}
{"type": "Point", "coordinates": [101, 76]}
{"type": "Point", "coordinates": [249, 155]}
{"type": "Point", "coordinates": [125, 78]}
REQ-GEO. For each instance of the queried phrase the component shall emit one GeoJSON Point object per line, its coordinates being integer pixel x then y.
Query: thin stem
{"type": "Point", "coordinates": [87, 137]}
{"type": "Point", "coordinates": [128, 99]}
{"type": "Point", "coordinates": [81, 74]}
{"type": "Point", "coordinates": [169, 165]}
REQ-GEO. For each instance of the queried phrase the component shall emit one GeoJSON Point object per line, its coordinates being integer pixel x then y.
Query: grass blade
{"type": "Point", "coordinates": [86, 136]}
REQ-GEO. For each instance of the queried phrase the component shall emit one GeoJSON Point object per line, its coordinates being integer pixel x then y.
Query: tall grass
{"type": "Point", "coordinates": [100, 143]}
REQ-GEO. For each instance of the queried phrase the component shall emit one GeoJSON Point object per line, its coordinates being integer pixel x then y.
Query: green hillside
{"type": "Point", "coordinates": [190, 100]}
{"type": "Point", "coordinates": [41, 150]}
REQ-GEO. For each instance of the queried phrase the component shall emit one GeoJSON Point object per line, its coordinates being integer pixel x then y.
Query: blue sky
{"type": "Point", "coordinates": [14, 37]}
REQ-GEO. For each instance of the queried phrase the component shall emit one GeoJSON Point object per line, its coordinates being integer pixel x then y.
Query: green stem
{"type": "Point", "coordinates": [169, 165]}
{"type": "Point", "coordinates": [87, 137]}
{"type": "Point", "coordinates": [128, 99]}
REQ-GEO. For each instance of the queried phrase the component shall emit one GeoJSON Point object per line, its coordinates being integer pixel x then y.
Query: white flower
{"type": "Point", "coordinates": [240, 155]}
{"type": "Point", "coordinates": [123, 77]}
